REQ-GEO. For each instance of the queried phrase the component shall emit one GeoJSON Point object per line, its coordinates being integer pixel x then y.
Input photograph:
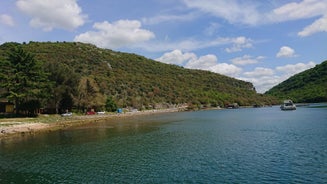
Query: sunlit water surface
{"type": "Point", "coordinates": [251, 145]}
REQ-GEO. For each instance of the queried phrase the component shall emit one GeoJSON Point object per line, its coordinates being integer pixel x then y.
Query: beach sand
{"type": "Point", "coordinates": [16, 126]}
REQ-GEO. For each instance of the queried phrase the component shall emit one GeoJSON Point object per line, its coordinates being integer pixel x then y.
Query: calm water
{"type": "Point", "coordinates": [262, 145]}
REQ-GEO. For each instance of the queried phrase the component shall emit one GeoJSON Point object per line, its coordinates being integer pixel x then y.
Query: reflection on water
{"type": "Point", "coordinates": [263, 145]}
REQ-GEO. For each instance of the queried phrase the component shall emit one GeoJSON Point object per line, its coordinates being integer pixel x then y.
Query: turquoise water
{"type": "Point", "coordinates": [252, 145]}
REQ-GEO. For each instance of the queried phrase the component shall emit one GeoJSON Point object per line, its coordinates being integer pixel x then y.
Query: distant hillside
{"type": "Point", "coordinates": [307, 86]}
{"type": "Point", "coordinates": [87, 76]}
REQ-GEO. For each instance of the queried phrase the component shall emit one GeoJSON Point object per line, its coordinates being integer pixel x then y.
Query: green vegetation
{"type": "Point", "coordinates": [307, 86]}
{"type": "Point", "coordinates": [25, 81]}
{"type": "Point", "coordinates": [82, 76]}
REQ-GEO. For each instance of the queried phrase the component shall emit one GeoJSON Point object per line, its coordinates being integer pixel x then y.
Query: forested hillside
{"type": "Point", "coordinates": [83, 76]}
{"type": "Point", "coordinates": [307, 86]}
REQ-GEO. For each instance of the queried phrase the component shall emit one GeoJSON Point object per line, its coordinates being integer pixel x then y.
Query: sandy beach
{"type": "Point", "coordinates": [16, 126]}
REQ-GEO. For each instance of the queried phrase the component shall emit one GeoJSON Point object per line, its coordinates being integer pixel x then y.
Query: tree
{"type": "Point", "coordinates": [110, 105]}
{"type": "Point", "coordinates": [66, 103]}
{"type": "Point", "coordinates": [31, 107]}
{"type": "Point", "coordinates": [24, 80]}
{"type": "Point", "coordinates": [64, 87]}
{"type": "Point", "coordinates": [89, 95]}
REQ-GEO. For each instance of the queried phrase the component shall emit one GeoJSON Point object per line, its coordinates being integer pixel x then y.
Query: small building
{"type": "Point", "coordinates": [7, 107]}
{"type": "Point", "coordinates": [233, 106]}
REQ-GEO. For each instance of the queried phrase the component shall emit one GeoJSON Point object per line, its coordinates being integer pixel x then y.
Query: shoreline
{"type": "Point", "coordinates": [10, 127]}
{"type": "Point", "coordinates": [14, 127]}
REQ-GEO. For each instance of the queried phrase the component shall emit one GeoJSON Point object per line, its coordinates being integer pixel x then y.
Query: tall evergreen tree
{"type": "Point", "coordinates": [24, 80]}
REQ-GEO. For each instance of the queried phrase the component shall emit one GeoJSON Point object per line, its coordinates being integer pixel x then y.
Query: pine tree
{"type": "Point", "coordinates": [24, 80]}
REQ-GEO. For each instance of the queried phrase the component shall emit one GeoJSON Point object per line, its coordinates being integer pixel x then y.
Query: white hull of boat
{"type": "Point", "coordinates": [285, 108]}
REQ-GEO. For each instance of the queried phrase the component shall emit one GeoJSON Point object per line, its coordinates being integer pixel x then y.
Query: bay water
{"type": "Point", "coordinates": [246, 145]}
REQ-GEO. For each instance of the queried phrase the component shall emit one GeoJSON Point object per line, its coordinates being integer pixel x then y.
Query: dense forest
{"type": "Point", "coordinates": [307, 86]}
{"type": "Point", "coordinates": [70, 75]}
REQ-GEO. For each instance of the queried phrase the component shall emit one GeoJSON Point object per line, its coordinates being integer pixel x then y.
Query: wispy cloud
{"type": "Point", "coordinates": [252, 13]}
{"type": "Point", "coordinates": [303, 10]}
{"type": "Point", "coordinates": [319, 25]}
{"type": "Point", "coordinates": [259, 72]}
{"type": "Point", "coordinates": [246, 60]}
{"type": "Point", "coordinates": [6, 20]}
{"type": "Point", "coordinates": [190, 44]}
{"type": "Point", "coordinates": [169, 18]}
{"type": "Point", "coordinates": [231, 10]}
{"type": "Point", "coordinates": [239, 43]}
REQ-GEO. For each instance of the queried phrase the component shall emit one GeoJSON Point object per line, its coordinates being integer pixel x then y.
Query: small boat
{"type": "Point", "coordinates": [288, 105]}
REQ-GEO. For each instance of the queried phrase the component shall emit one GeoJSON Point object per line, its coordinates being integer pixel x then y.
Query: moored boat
{"type": "Point", "coordinates": [288, 105]}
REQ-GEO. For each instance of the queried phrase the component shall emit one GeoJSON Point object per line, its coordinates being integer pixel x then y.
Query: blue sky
{"type": "Point", "coordinates": [260, 41]}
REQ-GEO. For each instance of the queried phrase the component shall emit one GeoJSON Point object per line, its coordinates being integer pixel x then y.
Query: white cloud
{"type": "Point", "coordinates": [319, 25]}
{"type": "Point", "coordinates": [260, 71]}
{"type": "Point", "coordinates": [176, 57]}
{"type": "Point", "coordinates": [239, 43]}
{"type": "Point", "coordinates": [246, 59]}
{"type": "Point", "coordinates": [203, 63]}
{"type": "Point", "coordinates": [263, 83]}
{"type": "Point", "coordinates": [210, 62]}
{"type": "Point", "coordinates": [226, 69]}
{"type": "Point", "coordinates": [207, 62]}
{"type": "Point", "coordinates": [7, 20]}
{"type": "Point", "coordinates": [285, 51]}
{"type": "Point", "coordinates": [46, 14]}
{"type": "Point", "coordinates": [290, 70]}
{"type": "Point", "coordinates": [115, 35]}
{"type": "Point", "coordinates": [261, 78]}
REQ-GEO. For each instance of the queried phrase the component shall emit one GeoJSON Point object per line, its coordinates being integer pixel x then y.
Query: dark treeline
{"type": "Point", "coordinates": [66, 76]}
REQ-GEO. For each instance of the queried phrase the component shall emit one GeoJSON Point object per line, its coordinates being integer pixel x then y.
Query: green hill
{"type": "Point", "coordinates": [307, 86]}
{"type": "Point", "coordinates": [85, 76]}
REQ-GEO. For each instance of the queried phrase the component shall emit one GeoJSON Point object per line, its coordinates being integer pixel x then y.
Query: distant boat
{"type": "Point", "coordinates": [288, 105]}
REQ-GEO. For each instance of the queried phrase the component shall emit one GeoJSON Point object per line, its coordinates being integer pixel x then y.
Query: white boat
{"type": "Point", "coordinates": [288, 105]}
